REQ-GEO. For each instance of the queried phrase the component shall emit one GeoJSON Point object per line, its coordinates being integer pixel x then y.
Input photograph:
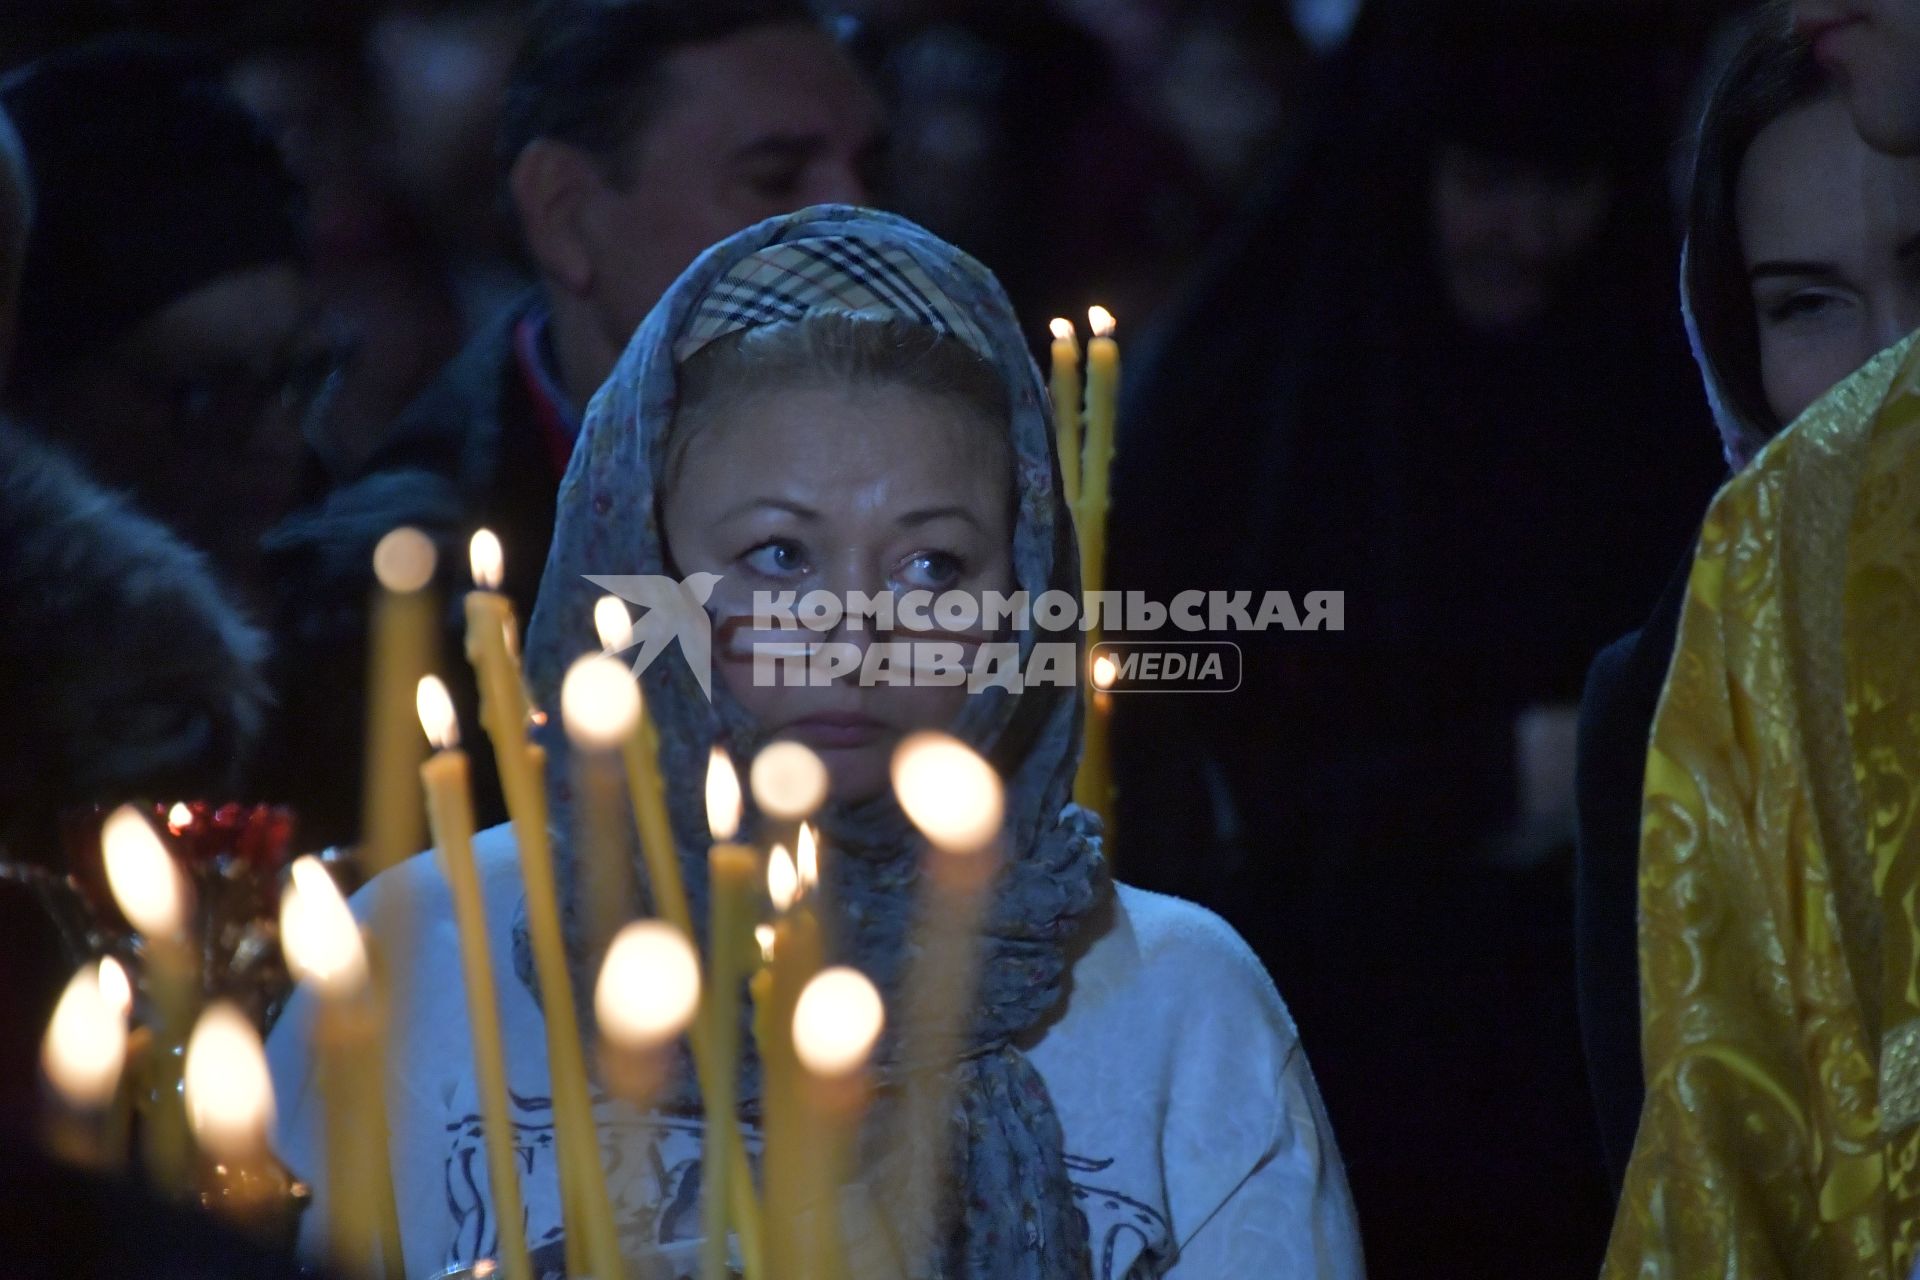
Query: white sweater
{"type": "Point", "coordinates": [1195, 1137]}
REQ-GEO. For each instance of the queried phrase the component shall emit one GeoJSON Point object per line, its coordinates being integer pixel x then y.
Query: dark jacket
{"type": "Point", "coordinates": [1616, 718]}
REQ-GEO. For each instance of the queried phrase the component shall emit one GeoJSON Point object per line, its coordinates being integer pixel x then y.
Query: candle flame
{"type": "Point", "coordinates": [723, 796]}
{"type": "Point", "coordinates": [115, 987]}
{"type": "Point", "coordinates": [1062, 328]}
{"type": "Point", "coordinates": [764, 935]}
{"type": "Point", "coordinates": [788, 781]}
{"type": "Point", "coordinates": [649, 986]}
{"type": "Point", "coordinates": [404, 561]}
{"type": "Point", "coordinates": [148, 888]}
{"type": "Point", "coordinates": [948, 792]}
{"type": "Point", "coordinates": [86, 1042]}
{"type": "Point", "coordinates": [1105, 672]}
{"type": "Point", "coordinates": [229, 1091]}
{"type": "Point", "coordinates": [612, 623]}
{"type": "Point", "coordinates": [435, 707]}
{"type": "Point", "coordinates": [837, 1021]}
{"type": "Point", "coordinates": [487, 560]}
{"type": "Point", "coordinates": [806, 859]}
{"type": "Point", "coordinates": [1101, 321]}
{"type": "Point", "coordinates": [179, 817]}
{"type": "Point", "coordinates": [783, 881]}
{"type": "Point", "coordinates": [599, 702]}
{"type": "Point", "coordinates": [318, 933]}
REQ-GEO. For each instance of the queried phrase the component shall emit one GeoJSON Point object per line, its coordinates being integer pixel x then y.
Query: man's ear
{"type": "Point", "coordinates": [551, 183]}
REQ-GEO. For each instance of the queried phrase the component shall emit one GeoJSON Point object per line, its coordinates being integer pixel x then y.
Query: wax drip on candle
{"type": "Point", "coordinates": [837, 1021]}
{"type": "Point", "coordinates": [789, 781]}
{"type": "Point", "coordinates": [318, 933]}
{"type": "Point", "coordinates": [649, 986]}
{"type": "Point", "coordinates": [148, 888]}
{"type": "Point", "coordinates": [948, 791]}
{"type": "Point", "coordinates": [228, 1088]}
{"type": "Point", "coordinates": [435, 707]}
{"type": "Point", "coordinates": [599, 702]}
{"type": "Point", "coordinates": [486, 559]}
{"type": "Point", "coordinates": [783, 881]}
{"type": "Point", "coordinates": [723, 796]}
{"type": "Point", "coordinates": [86, 1042]}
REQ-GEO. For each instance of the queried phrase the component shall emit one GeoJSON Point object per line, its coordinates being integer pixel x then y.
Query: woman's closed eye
{"type": "Point", "coordinates": [930, 571]}
{"type": "Point", "coordinates": [1802, 307]}
{"type": "Point", "coordinates": [779, 559]}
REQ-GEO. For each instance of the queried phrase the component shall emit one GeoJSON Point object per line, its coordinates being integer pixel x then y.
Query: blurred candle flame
{"type": "Point", "coordinates": [1101, 321]}
{"type": "Point", "coordinates": [806, 859]}
{"type": "Point", "coordinates": [435, 707]}
{"type": "Point", "coordinates": [86, 1042]}
{"type": "Point", "coordinates": [1062, 328]}
{"type": "Point", "coordinates": [948, 791]}
{"type": "Point", "coordinates": [763, 934]}
{"type": "Point", "coordinates": [649, 986]}
{"type": "Point", "coordinates": [1105, 672]}
{"type": "Point", "coordinates": [837, 1021]}
{"type": "Point", "coordinates": [318, 933]}
{"type": "Point", "coordinates": [228, 1089]}
{"type": "Point", "coordinates": [404, 561]}
{"type": "Point", "coordinates": [783, 881]}
{"type": "Point", "coordinates": [115, 987]}
{"type": "Point", "coordinates": [486, 559]}
{"type": "Point", "coordinates": [723, 796]}
{"type": "Point", "coordinates": [612, 623]}
{"type": "Point", "coordinates": [179, 817]}
{"type": "Point", "coordinates": [789, 781]}
{"type": "Point", "coordinates": [147, 887]}
{"type": "Point", "coordinates": [599, 702]}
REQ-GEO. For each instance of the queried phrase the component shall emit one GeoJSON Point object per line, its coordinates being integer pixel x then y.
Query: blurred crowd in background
{"type": "Point", "coordinates": [1397, 286]}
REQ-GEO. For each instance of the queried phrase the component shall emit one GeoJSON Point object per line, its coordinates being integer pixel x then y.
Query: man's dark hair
{"type": "Point", "coordinates": [589, 73]}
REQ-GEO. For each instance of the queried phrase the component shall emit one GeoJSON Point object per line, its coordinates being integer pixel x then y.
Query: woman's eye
{"type": "Point", "coordinates": [933, 570]}
{"type": "Point", "coordinates": [777, 558]}
{"type": "Point", "coordinates": [1800, 306]}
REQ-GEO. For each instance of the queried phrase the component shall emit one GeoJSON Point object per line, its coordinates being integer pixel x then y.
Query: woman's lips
{"type": "Point", "coordinates": [836, 729]}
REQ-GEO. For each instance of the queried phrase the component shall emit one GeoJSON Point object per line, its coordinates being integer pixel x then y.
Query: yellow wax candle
{"type": "Point", "coordinates": [1064, 382]}
{"type": "Point", "coordinates": [83, 1055]}
{"type": "Point", "coordinates": [503, 699]}
{"type": "Point", "coordinates": [117, 988]}
{"type": "Point", "coordinates": [229, 1098]}
{"type": "Point", "coordinates": [731, 873]}
{"type": "Point", "coordinates": [1103, 404]}
{"type": "Point", "coordinates": [954, 798]}
{"type": "Point", "coordinates": [445, 778]}
{"type": "Point", "coordinates": [787, 1141]}
{"type": "Point", "coordinates": [156, 898]}
{"type": "Point", "coordinates": [583, 1186]}
{"type": "Point", "coordinates": [600, 707]}
{"type": "Point", "coordinates": [836, 1021]}
{"type": "Point", "coordinates": [646, 996]}
{"type": "Point", "coordinates": [324, 949]}
{"type": "Point", "coordinates": [1093, 783]}
{"type": "Point", "coordinates": [647, 792]}
{"type": "Point", "coordinates": [393, 824]}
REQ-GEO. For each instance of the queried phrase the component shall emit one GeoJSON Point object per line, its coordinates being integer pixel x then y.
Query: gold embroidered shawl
{"type": "Point", "coordinates": [1780, 868]}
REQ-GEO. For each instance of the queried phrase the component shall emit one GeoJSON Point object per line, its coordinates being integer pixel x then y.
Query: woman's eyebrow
{"type": "Point", "coordinates": [926, 515]}
{"type": "Point", "coordinates": [1767, 270]}
{"type": "Point", "coordinates": [794, 509]}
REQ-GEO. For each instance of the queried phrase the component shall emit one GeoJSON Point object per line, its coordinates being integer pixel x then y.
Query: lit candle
{"type": "Point", "coordinates": [393, 825]}
{"type": "Point", "coordinates": [592, 1241]}
{"type": "Point", "coordinates": [836, 1022]}
{"type": "Point", "coordinates": [1093, 783]}
{"type": "Point", "coordinates": [157, 900]}
{"type": "Point", "coordinates": [788, 1144]}
{"type": "Point", "coordinates": [117, 989]}
{"type": "Point", "coordinates": [1065, 385]}
{"type": "Point", "coordinates": [445, 777]}
{"type": "Point", "coordinates": [83, 1055]}
{"type": "Point", "coordinates": [229, 1095]}
{"type": "Point", "coordinates": [1103, 404]}
{"type": "Point", "coordinates": [731, 872]}
{"type": "Point", "coordinates": [600, 707]}
{"type": "Point", "coordinates": [324, 949]}
{"type": "Point", "coordinates": [648, 991]}
{"type": "Point", "coordinates": [647, 793]}
{"type": "Point", "coordinates": [954, 798]}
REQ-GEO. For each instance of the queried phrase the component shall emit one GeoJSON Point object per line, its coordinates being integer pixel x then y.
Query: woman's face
{"type": "Point", "coordinates": [1830, 232]}
{"type": "Point", "coordinates": [841, 490]}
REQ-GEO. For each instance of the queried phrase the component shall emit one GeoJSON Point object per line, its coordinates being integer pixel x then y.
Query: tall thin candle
{"type": "Point", "coordinates": [83, 1054]}
{"type": "Point", "coordinates": [731, 871]}
{"type": "Point", "coordinates": [393, 822]}
{"type": "Point", "coordinates": [1064, 382]}
{"type": "Point", "coordinates": [836, 1022]}
{"type": "Point", "coordinates": [445, 777]}
{"type": "Point", "coordinates": [600, 707]}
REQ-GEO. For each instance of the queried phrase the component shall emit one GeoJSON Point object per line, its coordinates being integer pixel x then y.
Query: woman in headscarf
{"type": "Point", "coordinates": [837, 400]}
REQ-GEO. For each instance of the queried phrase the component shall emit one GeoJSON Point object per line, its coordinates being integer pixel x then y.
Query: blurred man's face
{"type": "Point", "coordinates": [1507, 232]}
{"type": "Point", "coordinates": [1872, 47]}
{"type": "Point", "coordinates": [765, 122]}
